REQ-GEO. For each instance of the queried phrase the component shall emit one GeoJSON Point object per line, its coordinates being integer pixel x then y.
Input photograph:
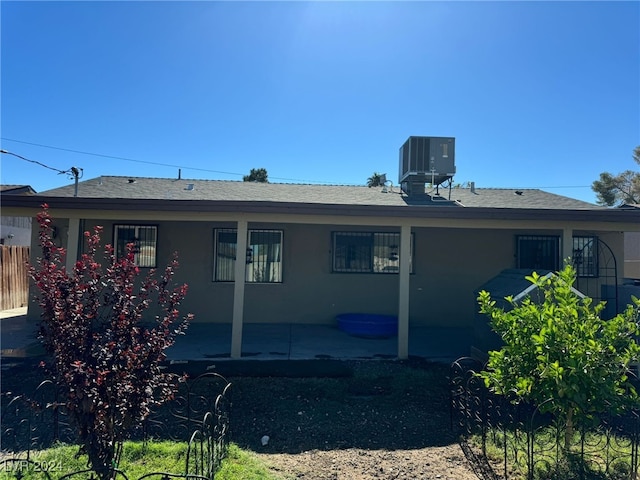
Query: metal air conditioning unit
{"type": "Point", "coordinates": [426, 160]}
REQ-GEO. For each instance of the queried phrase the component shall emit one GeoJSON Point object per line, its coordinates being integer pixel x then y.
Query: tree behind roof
{"type": "Point", "coordinates": [375, 180]}
{"type": "Point", "coordinates": [257, 175]}
{"type": "Point", "coordinates": [619, 189]}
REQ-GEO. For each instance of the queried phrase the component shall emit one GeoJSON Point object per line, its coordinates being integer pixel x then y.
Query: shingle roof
{"type": "Point", "coordinates": [517, 198]}
{"type": "Point", "coordinates": [17, 189]}
{"type": "Point", "coordinates": [117, 187]}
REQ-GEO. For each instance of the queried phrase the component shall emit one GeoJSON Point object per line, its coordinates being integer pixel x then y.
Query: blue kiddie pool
{"type": "Point", "coordinates": [368, 325]}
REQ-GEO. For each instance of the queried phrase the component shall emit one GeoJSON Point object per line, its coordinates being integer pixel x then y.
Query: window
{"type": "Point", "coordinates": [543, 253]}
{"type": "Point", "coordinates": [538, 252]}
{"type": "Point", "coordinates": [585, 256]}
{"type": "Point", "coordinates": [144, 238]}
{"type": "Point", "coordinates": [366, 252]}
{"type": "Point", "coordinates": [263, 256]}
{"type": "Point", "coordinates": [225, 255]}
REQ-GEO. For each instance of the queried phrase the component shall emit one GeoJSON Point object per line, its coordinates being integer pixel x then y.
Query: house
{"type": "Point", "coordinates": [312, 252]}
{"type": "Point", "coordinates": [15, 230]}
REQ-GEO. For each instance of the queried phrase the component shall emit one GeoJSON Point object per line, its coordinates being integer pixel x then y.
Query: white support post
{"type": "Point", "coordinates": [238, 290]}
{"type": "Point", "coordinates": [73, 238]}
{"type": "Point", "coordinates": [404, 296]}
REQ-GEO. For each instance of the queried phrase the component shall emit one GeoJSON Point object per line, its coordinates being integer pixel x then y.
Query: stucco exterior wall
{"type": "Point", "coordinates": [449, 265]}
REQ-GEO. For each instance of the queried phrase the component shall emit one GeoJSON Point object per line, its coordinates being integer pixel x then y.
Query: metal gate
{"type": "Point", "coordinates": [597, 273]}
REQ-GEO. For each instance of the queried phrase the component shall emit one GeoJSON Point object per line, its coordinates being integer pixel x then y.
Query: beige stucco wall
{"type": "Point", "coordinates": [449, 265]}
{"type": "Point", "coordinates": [309, 293]}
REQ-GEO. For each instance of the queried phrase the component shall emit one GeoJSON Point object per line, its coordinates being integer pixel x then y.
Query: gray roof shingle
{"type": "Point", "coordinates": [118, 187]}
{"type": "Point", "coordinates": [17, 189]}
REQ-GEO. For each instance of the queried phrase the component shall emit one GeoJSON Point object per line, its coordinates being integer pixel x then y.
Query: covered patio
{"type": "Point", "coordinates": [260, 341]}
{"type": "Point", "coordinates": [212, 341]}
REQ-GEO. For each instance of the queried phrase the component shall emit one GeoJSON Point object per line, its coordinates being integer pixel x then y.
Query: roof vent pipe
{"type": "Point", "coordinates": [472, 186]}
{"type": "Point", "coordinates": [179, 174]}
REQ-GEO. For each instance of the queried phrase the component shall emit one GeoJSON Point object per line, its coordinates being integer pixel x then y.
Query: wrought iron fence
{"type": "Point", "coordinates": [517, 441]}
{"type": "Point", "coordinates": [198, 415]}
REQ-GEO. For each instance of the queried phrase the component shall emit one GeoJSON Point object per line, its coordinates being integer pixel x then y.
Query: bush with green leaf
{"type": "Point", "coordinates": [559, 354]}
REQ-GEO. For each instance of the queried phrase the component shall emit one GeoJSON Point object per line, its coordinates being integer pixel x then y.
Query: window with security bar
{"type": "Point", "coordinates": [144, 239]}
{"type": "Point", "coordinates": [538, 252]}
{"type": "Point", "coordinates": [368, 252]}
{"type": "Point", "coordinates": [585, 256]}
{"type": "Point", "coordinates": [263, 256]}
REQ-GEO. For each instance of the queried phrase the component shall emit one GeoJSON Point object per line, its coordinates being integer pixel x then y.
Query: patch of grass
{"type": "Point", "coordinates": [602, 456]}
{"type": "Point", "coordinates": [243, 465]}
{"type": "Point", "coordinates": [138, 459]}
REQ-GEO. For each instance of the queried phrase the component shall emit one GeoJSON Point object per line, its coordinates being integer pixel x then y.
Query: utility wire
{"type": "Point", "coordinates": [150, 163]}
{"type": "Point", "coordinates": [115, 157]}
{"type": "Point", "coordinates": [75, 172]}
{"type": "Point", "coordinates": [61, 172]}
{"type": "Point", "coordinates": [194, 168]}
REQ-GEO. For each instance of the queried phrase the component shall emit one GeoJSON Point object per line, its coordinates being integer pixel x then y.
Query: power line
{"type": "Point", "coordinates": [36, 162]}
{"type": "Point", "coordinates": [126, 159]}
{"type": "Point", "coordinates": [148, 162]}
{"type": "Point", "coordinates": [75, 172]}
{"type": "Point", "coordinates": [114, 157]}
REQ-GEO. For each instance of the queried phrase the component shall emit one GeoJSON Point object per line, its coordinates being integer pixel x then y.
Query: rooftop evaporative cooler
{"type": "Point", "coordinates": [426, 160]}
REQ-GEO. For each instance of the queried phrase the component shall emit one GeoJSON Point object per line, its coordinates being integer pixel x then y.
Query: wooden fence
{"type": "Point", "coordinates": [14, 282]}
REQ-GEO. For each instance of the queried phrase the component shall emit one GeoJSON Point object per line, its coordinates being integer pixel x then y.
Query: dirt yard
{"type": "Point", "coordinates": [378, 420]}
{"type": "Point", "coordinates": [373, 419]}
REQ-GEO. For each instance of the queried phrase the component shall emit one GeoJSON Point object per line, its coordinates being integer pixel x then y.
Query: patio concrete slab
{"type": "Point", "coordinates": [326, 341]}
{"type": "Point", "coordinates": [300, 342]}
{"type": "Point", "coordinates": [212, 342]}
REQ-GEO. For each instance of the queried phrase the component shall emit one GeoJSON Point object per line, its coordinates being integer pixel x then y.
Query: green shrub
{"type": "Point", "coordinates": [559, 354]}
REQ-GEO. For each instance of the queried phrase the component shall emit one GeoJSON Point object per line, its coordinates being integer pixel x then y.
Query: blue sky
{"type": "Point", "coordinates": [537, 94]}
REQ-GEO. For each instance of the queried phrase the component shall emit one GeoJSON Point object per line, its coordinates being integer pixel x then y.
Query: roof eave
{"type": "Point", "coordinates": [35, 203]}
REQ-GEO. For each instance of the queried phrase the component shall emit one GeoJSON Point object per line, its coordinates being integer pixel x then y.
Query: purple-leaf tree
{"type": "Point", "coordinates": [105, 343]}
